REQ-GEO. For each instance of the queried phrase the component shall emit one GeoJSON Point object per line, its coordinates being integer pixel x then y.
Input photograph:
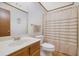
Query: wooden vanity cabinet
{"type": "Point", "coordinates": [21, 52]}
{"type": "Point", "coordinates": [31, 50]}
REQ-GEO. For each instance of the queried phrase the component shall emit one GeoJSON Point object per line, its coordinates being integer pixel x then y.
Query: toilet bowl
{"type": "Point", "coordinates": [46, 48]}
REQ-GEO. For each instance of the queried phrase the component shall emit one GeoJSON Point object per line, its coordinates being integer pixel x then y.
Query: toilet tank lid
{"type": "Point", "coordinates": [48, 45]}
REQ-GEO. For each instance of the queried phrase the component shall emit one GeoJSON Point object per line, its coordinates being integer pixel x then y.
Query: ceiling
{"type": "Point", "coordinates": [54, 5]}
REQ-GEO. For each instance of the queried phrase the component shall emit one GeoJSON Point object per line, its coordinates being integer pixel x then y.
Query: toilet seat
{"type": "Point", "coordinates": [48, 47]}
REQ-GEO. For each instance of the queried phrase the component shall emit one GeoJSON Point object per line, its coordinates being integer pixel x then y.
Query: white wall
{"type": "Point", "coordinates": [35, 16]}
{"type": "Point", "coordinates": [15, 27]}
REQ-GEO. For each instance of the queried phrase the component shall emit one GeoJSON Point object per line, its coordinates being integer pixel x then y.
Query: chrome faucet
{"type": "Point", "coordinates": [16, 37]}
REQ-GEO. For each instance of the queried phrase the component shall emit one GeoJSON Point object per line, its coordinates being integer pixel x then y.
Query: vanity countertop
{"type": "Point", "coordinates": [9, 45]}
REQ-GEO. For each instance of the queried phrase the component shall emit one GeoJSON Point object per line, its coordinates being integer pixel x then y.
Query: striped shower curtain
{"type": "Point", "coordinates": [61, 29]}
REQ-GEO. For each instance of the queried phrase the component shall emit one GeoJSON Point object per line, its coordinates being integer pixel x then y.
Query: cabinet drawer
{"type": "Point", "coordinates": [22, 52]}
{"type": "Point", "coordinates": [34, 47]}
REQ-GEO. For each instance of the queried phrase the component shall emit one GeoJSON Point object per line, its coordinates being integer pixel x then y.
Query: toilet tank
{"type": "Point", "coordinates": [40, 37]}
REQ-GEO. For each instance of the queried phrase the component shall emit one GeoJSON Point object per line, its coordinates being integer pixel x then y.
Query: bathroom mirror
{"type": "Point", "coordinates": [13, 21]}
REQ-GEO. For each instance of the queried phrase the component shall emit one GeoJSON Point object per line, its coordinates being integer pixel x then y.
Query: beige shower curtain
{"type": "Point", "coordinates": [61, 29]}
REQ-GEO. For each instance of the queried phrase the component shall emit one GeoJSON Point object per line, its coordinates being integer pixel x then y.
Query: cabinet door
{"type": "Point", "coordinates": [36, 53]}
{"type": "Point", "coordinates": [22, 52]}
{"type": "Point", "coordinates": [35, 49]}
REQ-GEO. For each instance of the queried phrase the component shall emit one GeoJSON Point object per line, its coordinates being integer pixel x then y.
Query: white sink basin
{"type": "Point", "coordinates": [20, 41]}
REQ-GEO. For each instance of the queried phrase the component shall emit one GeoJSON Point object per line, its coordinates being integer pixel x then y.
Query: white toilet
{"type": "Point", "coordinates": [46, 48]}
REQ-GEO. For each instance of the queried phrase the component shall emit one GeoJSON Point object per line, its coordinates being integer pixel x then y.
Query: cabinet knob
{"type": "Point", "coordinates": [8, 31]}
